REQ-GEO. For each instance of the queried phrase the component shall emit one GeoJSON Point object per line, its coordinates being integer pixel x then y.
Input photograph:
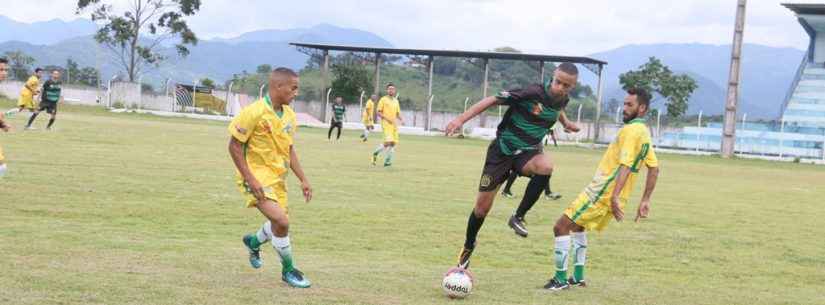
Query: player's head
{"type": "Point", "coordinates": [391, 89]}
{"type": "Point", "coordinates": [4, 68]}
{"type": "Point", "coordinates": [339, 99]}
{"type": "Point", "coordinates": [374, 97]}
{"type": "Point", "coordinates": [636, 104]}
{"type": "Point", "coordinates": [56, 75]}
{"type": "Point", "coordinates": [283, 85]}
{"type": "Point", "coordinates": [564, 79]}
{"type": "Point", "coordinates": [38, 72]}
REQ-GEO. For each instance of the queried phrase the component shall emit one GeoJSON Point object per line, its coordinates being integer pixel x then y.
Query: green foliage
{"type": "Point", "coordinates": [19, 65]}
{"type": "Point", "coordinates": [350, 81]}
{"type": "Point", "coordinates": [207, 82]}
{"type": "Point", "coordinates": [655, 77]}
{"type": "Point", "coordinates": [263, 69]}
{"type": "Point", "coordinates": [126, 33]}
{"type": "Point", "coordinates": [210, 103]}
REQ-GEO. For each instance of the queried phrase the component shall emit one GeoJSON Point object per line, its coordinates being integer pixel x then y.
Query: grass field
{"type": "Point", "coordinates": [135, 209]}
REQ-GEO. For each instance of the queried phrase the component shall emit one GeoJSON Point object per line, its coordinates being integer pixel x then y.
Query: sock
{"type": "Point", "coordinates": [579, 254]}
{"type": "Point", "coordinates": [510, 180]}
{"type": "Point", "coordinates": [561, 251]}
{"type": "Point", "coordinates": [339, 133]}
{"type": "Point", "coordinates": [329, 133]}
{"type": "Point", "coordinates": [378, 150]}
{"type": "Point", "coordinates": [51, 121]}
{"type": "Point", "coordinates": [2, 170]}
{"type": "Point", "coordinates": [531, 194]}
{"type": "Point", "coordinates": [473, 226]}
{"type": "Point", "coordinates": [284, 249]}
{"type": "Point", "coordinates": [547, 190]}
{"type": "Point", "coordinates": [390, 154]}
{"type": "Point", "coordinates": [263, 235]}
{"type": "Point", "coordinates": [31, 119]}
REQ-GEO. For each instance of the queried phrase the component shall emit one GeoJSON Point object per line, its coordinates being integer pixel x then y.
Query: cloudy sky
{"type": "Point", "coordinates": [572, 27]}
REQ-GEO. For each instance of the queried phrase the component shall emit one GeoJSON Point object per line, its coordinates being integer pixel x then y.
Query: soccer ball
{"type": "Point", "coordinates": [457, 283]}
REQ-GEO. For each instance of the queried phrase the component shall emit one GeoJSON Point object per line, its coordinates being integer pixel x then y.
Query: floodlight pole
{"type": "Point", "coordinates": [729, 132]}
{"type": "Point", "coordinates": [377, 75]}
{"type": "Point", "coordinates": [324, 84]}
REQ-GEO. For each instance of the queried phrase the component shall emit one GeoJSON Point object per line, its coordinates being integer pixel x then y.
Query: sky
{"type": "Point", "coordinates": [563, 27]}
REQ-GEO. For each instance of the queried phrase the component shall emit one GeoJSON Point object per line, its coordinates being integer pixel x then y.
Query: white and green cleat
{"type": "Point", "coordinates": [254, 254]}
{"type": "Point", "coordinates": [295, 278]}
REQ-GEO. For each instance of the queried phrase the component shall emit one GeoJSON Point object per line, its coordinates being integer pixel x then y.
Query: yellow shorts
{"type": "Point", "coordinates": [591, 215]}
{"type": "Point", "coordinates": [390, 133]}
{"type": "Point", "coordinates": [26, 101]}
{"type": "Point", "coordinates": [276, 192]}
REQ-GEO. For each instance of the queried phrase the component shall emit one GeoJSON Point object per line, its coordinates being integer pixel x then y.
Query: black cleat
{"type": "Point", "coordinates": [555, 285]}
{"type": "Point", "coordinates": [573, 282]}
{"type": "Point", "coordinates": [519, 225]}
{"type": "Point", "coordinates": [464, 258]}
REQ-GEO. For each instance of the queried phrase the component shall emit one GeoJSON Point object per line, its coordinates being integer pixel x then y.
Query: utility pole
{"type": "Point", "coordinates": [729, 132]}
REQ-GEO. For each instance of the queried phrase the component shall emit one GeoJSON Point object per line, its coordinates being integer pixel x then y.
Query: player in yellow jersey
{"type": "Point", "coordinates": [4, 71]}
{"type": "Point", "coordinates": [30, 89]}
{"type": "Point", "coordinates": [390, 112]}
{"type": "Point", "coordinates": [605, 197]}
{"type": "Point", "coordinates": [368, 117]}
{"type": "Point", "coordinates": [261, 146]}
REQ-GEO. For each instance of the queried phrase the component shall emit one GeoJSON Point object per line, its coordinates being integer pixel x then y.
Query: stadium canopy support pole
{"type": "Point", "coordinates": [377, 75]}
{"type": "Point", "coordinates": [428, 122]}
{"type": "Point", "coordinates": [228, 106]}
{"type": "Point", "coordinates": [541, 72]}
{"type": "Point", "coordinates": [324, 84]}
{"type": "Point", "coordinates": [729, 129]}
{"type": "Point", "coordinates": [598, 106]}
{"type": "Point", "coordinates": [483, 118]}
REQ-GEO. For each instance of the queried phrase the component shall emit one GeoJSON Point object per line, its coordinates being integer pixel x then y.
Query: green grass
{"type": "Point", "coordinates": [135, 209]}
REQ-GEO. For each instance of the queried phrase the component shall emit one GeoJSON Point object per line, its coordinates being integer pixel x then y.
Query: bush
{"type": "Point", "coordinates": [209, 103]}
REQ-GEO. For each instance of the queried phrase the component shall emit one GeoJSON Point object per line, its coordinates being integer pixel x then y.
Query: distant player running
{"type": "Point", "coordinates": [605, 197]}
{"type": "Point", "coordinates": [338, 112]}
{"type": "Point", "coordinates": [390, 112]}
{"type": "Point", "coordinates": [262, 149]}
{"type": "Point", "coordinates": [30, 89]}
{"type": "Point", "coordinates": [517, 146]}
{"type": "Point", "coordinates": [368, 117]}
{"type": "Point", "coordinates": [4, 71]}
{"type": "Point", "coordinates": [50, 96]}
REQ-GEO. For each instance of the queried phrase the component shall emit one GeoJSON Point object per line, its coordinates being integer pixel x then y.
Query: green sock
{"type": "Point", "coordinates": [390, 154]}
{"type": "Point", "coordinates": [579, 254]}
{"type": "Point", "coordinates": [284, 249]}
{"type": "Point", "coordinates": [578, 272]}
{"type": "Point", "coordinates": [254, 242]}
{"type": "Point", "coordinates": [562, 249]}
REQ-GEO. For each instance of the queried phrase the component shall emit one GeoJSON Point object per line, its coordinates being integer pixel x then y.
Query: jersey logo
{"type": "Point", "coordinates": [287, 128]}
{"type": "Point", "coordinates": [537, 108]}
{"type": "Point", "coordinates": [485, 180]}
{"type": "Point", "coordinates": [267, 127]}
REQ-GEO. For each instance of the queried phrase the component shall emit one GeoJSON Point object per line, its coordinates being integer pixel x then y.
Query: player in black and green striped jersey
{"type": "Point", "coordinates": [518, 145]}
{"type": "Point", "coordinates": [338, 111]}
{"type": "Point", "coordinates": [49, 97]}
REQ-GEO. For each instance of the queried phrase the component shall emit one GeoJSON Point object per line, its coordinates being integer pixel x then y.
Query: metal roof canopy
{"type": "Point", "coordinates": [806, 8]}
{"type": "Point", "coordinates": [594, 65]}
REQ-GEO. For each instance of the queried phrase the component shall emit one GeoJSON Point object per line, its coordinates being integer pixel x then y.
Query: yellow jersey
{"type": "Point", "coordinates": [388, 106]}
{"type": "Point", "coordinates": [32, 82]}
{"type": "Point", "coordinates": [369, 112]}
{"type": "Point", "coordinates": [267, 138]}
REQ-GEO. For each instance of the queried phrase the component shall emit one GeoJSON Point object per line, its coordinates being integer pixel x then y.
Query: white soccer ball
{"type": "Point", "coordinates": [457, 283]}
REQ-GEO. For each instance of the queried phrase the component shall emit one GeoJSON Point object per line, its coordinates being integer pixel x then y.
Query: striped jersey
{"type": "Point", "coordinates": [530, 114]}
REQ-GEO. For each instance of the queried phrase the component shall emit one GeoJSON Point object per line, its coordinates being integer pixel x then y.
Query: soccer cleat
{"type": "Point", "coordinates": [518, 225]}
{"type": "Point", "coordinates": [295, 278]}
{"type": "Point", "coordinates": [464, 258]}
{"type": "Point", "coordinates": [30, 128]}
{"type": "Point", "coordinates": [507, 194]}
{"type": "Point", "coordinates": [254, 254]}
{"type": "Point", "coordinates": [552, 196]}
{"type": "Point", "coordinates": [387, 164]}
{"type": "Point", "coordinates": [573, 282]}
{"type": "Point", "coordinates": [555, 285]}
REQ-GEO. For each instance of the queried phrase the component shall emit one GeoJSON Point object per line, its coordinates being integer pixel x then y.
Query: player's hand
{"type": "Point", "coordinates": [570, 128]}
{"type": "Point", "coordinates": [616, 208]}
{"type": "Point", "coordinates": [453, 127]}
{"type": "Point", "coordinates": [307, 190]}
{"type": "Point", "coordinates": [256, 188]}
{"type": "Point", "coordinates": [643, 211]}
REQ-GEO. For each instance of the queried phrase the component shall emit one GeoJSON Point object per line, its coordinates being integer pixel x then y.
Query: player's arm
{"type": "Point", "coordinates": [299, 173]}
{"type": "Point", "coordinates": [567, 124]}
{"type": "Point", "coordinates": [621, 179]}
{"type": "Point", "coordinates": [650, 184]}
{"type": "Point", "coordinates": [237, 154]}
{"type": "Point", "coordinates": [485, 103]}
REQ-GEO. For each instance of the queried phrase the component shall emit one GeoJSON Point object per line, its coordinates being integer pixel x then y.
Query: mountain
{"type": "Point", "coordinates": [45, 32]}
{"type": "Point", "coordinates": [322, 33]}
{"type": "Point", "coordinates": [766, 73]}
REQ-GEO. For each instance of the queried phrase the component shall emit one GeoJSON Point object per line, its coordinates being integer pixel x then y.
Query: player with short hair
{"type": "Point", "coordinates": [261, 147]}
{"type": "Point", "coordinates": [4, 71]}
{"type": "Point", "coordinates": [338, 112]}
{"type": "Point", "coordinates": [50, 96]}
{"type": "Point", "coordinates": [605, 197]}
{"type": "Point", "coordinates": [368, 117]}
{"type": "Point", "coordinates": [30, 89]}
{"type": "Point", "coordinates": [389, 109]}
{"type": "Point", "coordinates": [518, 143]}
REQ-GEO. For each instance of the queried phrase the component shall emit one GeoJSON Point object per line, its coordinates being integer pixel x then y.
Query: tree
{"type": "Point", "coordinates": [350, 80]}
{"type": "Point", "coordinates": [137, 35]}
{"type": "Point", "coordinates": [655, 77]}
{"type": "Point", "coordinates": [206, 82]}
{"type": "Point", "coordinates": [19, 64]}
{"type": "Point", "coordinates": [263, 69]}
{"type": "Point", "coordinates": [72, 71]}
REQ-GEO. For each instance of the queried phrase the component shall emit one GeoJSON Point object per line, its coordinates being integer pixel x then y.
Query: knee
{"type": "Point", "coordinates": [561, 228]}
{"type": "Point", "coordinates": [281, 223]}
{"type": "Point", "coordinates": [544, 168]}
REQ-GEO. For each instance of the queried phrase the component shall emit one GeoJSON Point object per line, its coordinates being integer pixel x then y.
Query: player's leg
{"type": "Point", "coordinates": [2, 163]}
{"type": "Point", "coordinates": [329, 132]}
{"type": "Point", "coordinates": [564, 225]}
{"type": "Point", "coordinates": [33, 117]}
{"type": "Point", "coordinates": [579, 237]}
{"type": "Point", "coordinates": [53, 115]}
{"type": "Point", "coordinates": [537, 167]}
{"type": "Point", "coordinates": [339, 126]}
{"type": "Point", "coordinates": [279, 223]}
{"type": "Point", "coordinates": [390, 154]}
{"type": "Point", "coordinates": [548, 193]}
{"type": "Point", "coordinates": [510, 180]}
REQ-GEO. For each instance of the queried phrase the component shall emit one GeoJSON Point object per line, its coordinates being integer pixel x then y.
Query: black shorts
{"type": "Point", "coordinates": [498, 166]}
{"type": "Point", "coordinates": [51, 108]}
{"type": "Point", "coordinates": [334, 124]}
